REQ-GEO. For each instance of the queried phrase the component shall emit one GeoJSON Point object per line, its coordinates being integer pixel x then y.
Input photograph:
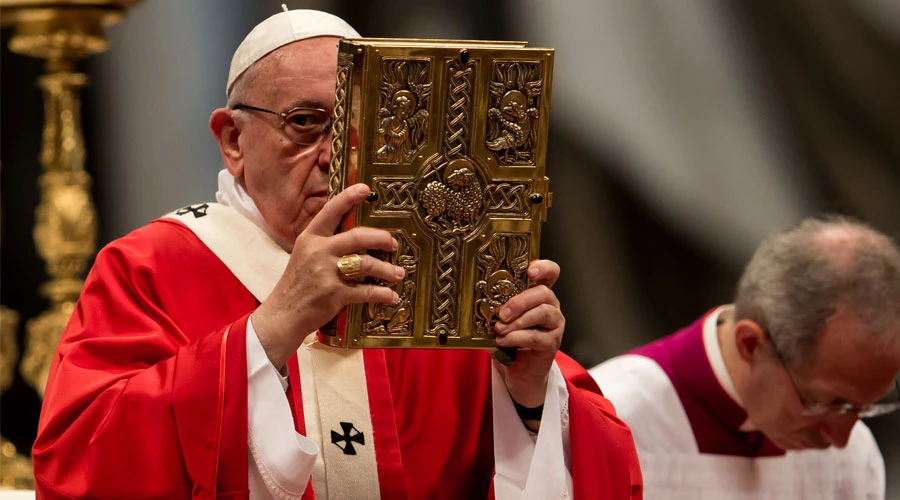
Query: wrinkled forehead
{"type": "Point", "coordinates": [303, 70]}
{"type": "Point", "coordinates": [303, 56]}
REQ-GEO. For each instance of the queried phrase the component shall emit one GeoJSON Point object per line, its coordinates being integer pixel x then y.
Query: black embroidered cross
{"type": "Point", "coordinates": [197, 210]}
{"type": "Point", "coordinates": [347, 437]}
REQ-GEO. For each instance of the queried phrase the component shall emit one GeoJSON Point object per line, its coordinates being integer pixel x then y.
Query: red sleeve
{"type": "Point", "coordinates": [147, 395]}
{"type": "Point", "coordinates": [604, 459]}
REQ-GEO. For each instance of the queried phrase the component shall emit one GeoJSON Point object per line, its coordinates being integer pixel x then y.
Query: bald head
{"type": "Point", "coordinates": [799, 278]}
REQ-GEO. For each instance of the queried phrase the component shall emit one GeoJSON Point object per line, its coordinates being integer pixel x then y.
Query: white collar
{"type": "Point", "coordinates": [717, 361]}
{"type": "Point", "coordinates": [232, 194]}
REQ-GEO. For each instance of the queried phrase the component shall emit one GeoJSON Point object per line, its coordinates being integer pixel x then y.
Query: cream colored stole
{"type": "Point", "coordinates": [335, 396]}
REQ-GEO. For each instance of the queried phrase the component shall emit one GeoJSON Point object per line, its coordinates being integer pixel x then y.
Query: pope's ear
{"type": "Point", "coordinates": [226, 132]}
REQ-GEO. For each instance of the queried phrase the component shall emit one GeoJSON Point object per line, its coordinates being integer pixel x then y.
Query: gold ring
{"type": "Point", "coordinates": [349, 265]}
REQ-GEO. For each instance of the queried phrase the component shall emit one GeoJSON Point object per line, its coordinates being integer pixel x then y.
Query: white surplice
{"type": "Point", "coordinates": [675, 469]}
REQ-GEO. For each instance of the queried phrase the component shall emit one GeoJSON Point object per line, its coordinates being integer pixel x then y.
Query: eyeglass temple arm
{"type": "Point", "coordinates": [254, 108]}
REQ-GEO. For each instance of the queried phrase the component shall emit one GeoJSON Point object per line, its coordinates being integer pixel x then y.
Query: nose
{"type": "Point", "coordinates": [837, 430]}
{"type": "Point", "coordinates": [324, 150]}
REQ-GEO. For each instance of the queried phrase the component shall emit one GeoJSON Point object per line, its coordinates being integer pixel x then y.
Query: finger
{"type": "Point", "coordinates": [526, 300]}
{"type": "Point", "coordinates": [543, 272]}
{"type": "Point", "coordinates": [536, 339]}
{"type": "Point", "coordinates": [328, 219]}
{"type": "Point", "coordinates": [362, 238]}
{"type": "Point", "coordinates": [362, 293]}
{"type": "Point", "coordinates": [371, 267]}
{"type": "Point", "coordinates": [544, 316]}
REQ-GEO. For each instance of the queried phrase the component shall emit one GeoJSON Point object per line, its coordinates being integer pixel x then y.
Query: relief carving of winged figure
{"type": "Point", "coordinates": [512, 128]}
{"type": "Point", "coordinates": [403, 115]}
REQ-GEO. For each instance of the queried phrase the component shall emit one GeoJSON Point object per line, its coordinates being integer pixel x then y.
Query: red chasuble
{"type": "Point", "coordinates": [147, 396]}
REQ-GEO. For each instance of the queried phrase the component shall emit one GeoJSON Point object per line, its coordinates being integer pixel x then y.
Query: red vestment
{"type": "Point", "coordinates": [147, 395]}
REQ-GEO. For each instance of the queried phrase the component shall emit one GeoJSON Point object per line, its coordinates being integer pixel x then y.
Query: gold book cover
{"type": "Point", "coordinates": [451, 137]}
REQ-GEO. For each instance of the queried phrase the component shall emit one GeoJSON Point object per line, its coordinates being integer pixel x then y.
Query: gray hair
{"type": "Point", "coordinates": [240, 90]}
{"type": "Point", "coordinates": [799, 278]}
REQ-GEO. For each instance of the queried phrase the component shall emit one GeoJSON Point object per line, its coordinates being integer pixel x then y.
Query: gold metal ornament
{"type": "Point", "coordinates": [451, 137]}
{"type": "Point", "coordinates": [9, 351]}
{"type": "Point", "coordinates": [15, 469]}
{"type": "Point", "coordinates": [65, 233]}
{"type": "Point", "coordinates": [349, 265]}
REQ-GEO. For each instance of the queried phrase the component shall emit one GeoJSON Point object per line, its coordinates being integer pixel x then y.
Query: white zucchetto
{"type": "Point", "coordinates": [281, 29]}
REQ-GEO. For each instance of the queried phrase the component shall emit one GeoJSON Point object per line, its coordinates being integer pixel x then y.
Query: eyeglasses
{"type": "Point", "coordinates": [303, 126]}
{"type": "Point", "coordinates": [813, 409]}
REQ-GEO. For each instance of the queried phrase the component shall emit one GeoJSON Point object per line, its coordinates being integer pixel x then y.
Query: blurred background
{"type": "Point", "coordinates": [682, 133]}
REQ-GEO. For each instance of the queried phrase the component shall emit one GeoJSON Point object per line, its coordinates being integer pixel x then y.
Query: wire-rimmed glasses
{"type": "Point", "coordinates": [814, 409]}
{"type": "Point", "coordinates": [304, 126]}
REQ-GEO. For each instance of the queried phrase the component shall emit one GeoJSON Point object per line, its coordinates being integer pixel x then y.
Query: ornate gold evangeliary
{"type": "Point", "coordinates": [451, 136]}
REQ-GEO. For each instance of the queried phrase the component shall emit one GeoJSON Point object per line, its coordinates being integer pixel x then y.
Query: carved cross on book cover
{"type": "Point", "coordinates": [451, 137]}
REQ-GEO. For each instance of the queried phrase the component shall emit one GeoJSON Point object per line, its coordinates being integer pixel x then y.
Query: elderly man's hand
{"type": "Point", "coordinates": [312, 290]}
{"type": "Point", "coordinates": [532, 321]}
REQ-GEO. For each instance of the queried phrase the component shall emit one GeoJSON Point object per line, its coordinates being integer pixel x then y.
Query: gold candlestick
{"type": "Point", "coordinates": [65, 232]}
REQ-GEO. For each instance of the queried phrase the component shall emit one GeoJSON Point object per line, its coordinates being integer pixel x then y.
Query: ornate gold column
{"type": "Point", "coordinates": [65, 233]}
